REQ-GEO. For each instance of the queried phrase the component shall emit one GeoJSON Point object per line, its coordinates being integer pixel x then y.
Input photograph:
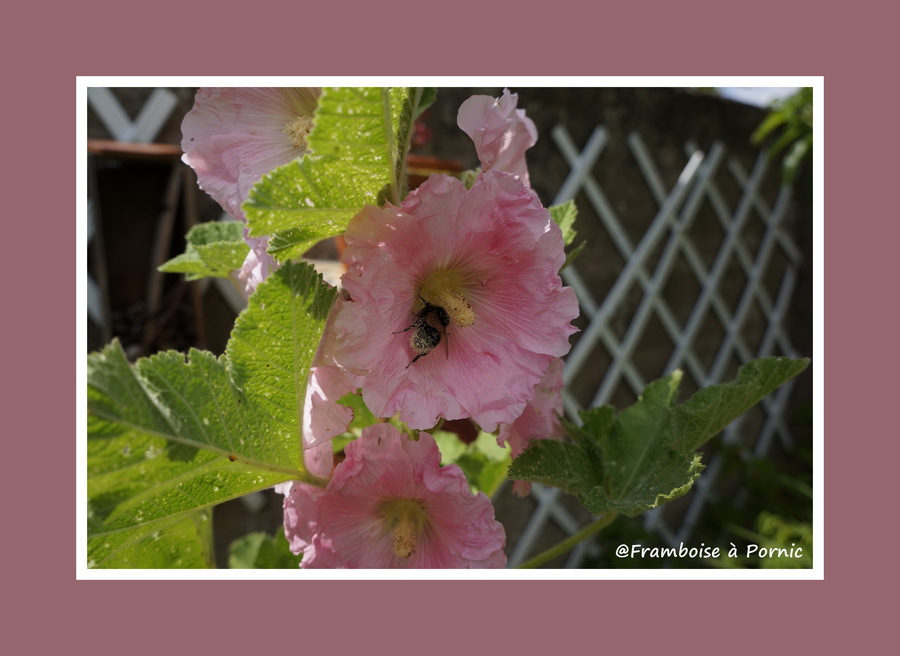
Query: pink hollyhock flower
{"type": "Point", "coordinates": [233, 137]}
{"type": "Point", "coordinates": [391, 505]}
{"type": "Point", "coordinates": [456, 308]}
{"type": "Point", "coordinates": [501, 132]}
{"type": "Point", "coordinates": [539, 421]}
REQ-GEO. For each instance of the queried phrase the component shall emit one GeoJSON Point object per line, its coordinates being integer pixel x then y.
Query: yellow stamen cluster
{"type": "Point", "coordinates": [403, 541]}
{"type": "Point", "coordinates": [457, 307]}
{"type": "Point", "coordinates": [404, 519]}
{"type": "Point", "coordinates": [297, 130]}
{"type": "Point", "coordinates": [443, 289]}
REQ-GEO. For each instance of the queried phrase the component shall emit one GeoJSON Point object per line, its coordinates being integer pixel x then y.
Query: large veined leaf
{"type": "Point", "coordinates": [710, 410]}
{"type": "Point", "coordinates": [174, 434]}
{"type": "Point", "coordinates": [644, 456]}
{"type": "Point", "coordinates": [273, 343]}
{"type": "Point", "coordinates": [356, 156]}
{"type": "Point", "coordinates": [181, 542]}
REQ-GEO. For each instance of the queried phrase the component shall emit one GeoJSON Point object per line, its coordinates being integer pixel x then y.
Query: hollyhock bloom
{"type": "Point", "coordinates": [539, 421]}
{"type": "Point", "coordinates": [457, 308]}
{"type": "Point", "coordinates": [391, 505]}
{"type": "Point", "coordinates": [501, 132]}
{"type": "Point", "coordinates": [233, 137]}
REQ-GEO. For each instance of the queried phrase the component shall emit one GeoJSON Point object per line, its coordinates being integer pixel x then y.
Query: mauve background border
{"type": "Point", "coordinates": [50, 610]}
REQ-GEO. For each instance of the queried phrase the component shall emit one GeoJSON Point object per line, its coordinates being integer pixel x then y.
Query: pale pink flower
{"type": "Point", "coordinates": [391, 505]}
{"type": "Point", "coordinates": [233, 136]}
{"type": "Point", "coordinates": [488, 256]}
{"type": "Point", "coordinates": [501, 132]}
{"type": "Point", "coordinates": [539, 421]}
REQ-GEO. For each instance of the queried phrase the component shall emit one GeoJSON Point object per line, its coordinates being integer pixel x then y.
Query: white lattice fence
{"type": "Point", "coordinates": [754, 248]}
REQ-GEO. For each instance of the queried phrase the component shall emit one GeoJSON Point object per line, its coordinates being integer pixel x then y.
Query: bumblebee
{"type": "Point", "coordinates": [430, 325]}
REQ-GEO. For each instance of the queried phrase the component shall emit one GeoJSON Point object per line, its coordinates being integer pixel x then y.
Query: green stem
{"type": "Point", "coordinates": [391, 146]}
{"type": "Point", "coordinates": [570, 542]}
{"type": "Point", "coordinates": [400, 172]}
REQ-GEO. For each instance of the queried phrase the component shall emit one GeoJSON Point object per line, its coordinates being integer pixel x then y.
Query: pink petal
{"type": "Point", "coordinates": [501, 133]}
{"type": "Point", "coordinates": [234, 136]}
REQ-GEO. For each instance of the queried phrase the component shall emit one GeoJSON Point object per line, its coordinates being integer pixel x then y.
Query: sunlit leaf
{"type": "Point", "coordinates": [357, 156]}
{"type": "Point", "coordinates": [175, 433]}
{"type": "Point", "coordinates": [213, 249]}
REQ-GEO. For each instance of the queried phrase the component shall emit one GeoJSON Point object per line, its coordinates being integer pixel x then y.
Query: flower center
{"type": "Point", "coordinates": [297, 131]}
{"type": "Point", "coordinates": [444, 290]}
{"type": "Point", "coordinates": [404, 519]}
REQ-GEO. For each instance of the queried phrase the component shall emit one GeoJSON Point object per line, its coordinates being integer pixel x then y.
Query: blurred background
{"type": "Point", "coordinates": [697, 231]}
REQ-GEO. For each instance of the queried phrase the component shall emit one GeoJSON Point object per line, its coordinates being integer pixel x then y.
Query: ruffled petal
{"type": "Point", "coordinates": [345, 525]}
{"type": "Point", "coordinates": [501, 132]}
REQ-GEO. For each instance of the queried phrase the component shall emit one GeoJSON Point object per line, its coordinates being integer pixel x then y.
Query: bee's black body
{"type": "Point", "coordinates": [427, 335]}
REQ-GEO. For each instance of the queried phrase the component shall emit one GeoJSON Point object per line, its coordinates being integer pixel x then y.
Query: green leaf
{"type": "Point", "coordinates": [787, 545]}
{"type": "Point", "coordinates": [262, 551]}
{"type": "Point", "coordinates": [180, 542]}
{"type": "Point", "coordinates": [711, 409]}
{"type": "Point", "coordinates": [173, 434]}
{"type": "Point", "coordinates": [793, 116]}
{"type": "Point", "coordinates": [565, 215]}
{"type": "Point", "coordinates": [213, 249]}
{"type": "Point", "coordinates": [483, 461]}
{"type": "Point", "coordinates": [567, 466]}
{"type": "Point", "coordinates": [362, 416]}
{"type": "Point", "coordinates": [789, 136]}
{"type": "Point", "coordinates": [429, 95]}
{"type": "Point", "coordinates": [795, 156]}
{"type": "Point", "coordinates": [644, 456]}
{"type": "Point", "coordinates": [639, 443]}
{"type": "Point", "coordinates": [357, 156]}
{"type": "Point", "coordinates": [573, 254]}
{"type": "Point", "coordinates": [170, 435]}
{"type": "Point", "coordinates": [772, 121]}
{"type": "Point", "coordinates": [273, 344]}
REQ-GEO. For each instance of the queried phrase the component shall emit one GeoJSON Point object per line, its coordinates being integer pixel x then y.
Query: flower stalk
{"type": "Point", "coordinates": [570, 542]}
